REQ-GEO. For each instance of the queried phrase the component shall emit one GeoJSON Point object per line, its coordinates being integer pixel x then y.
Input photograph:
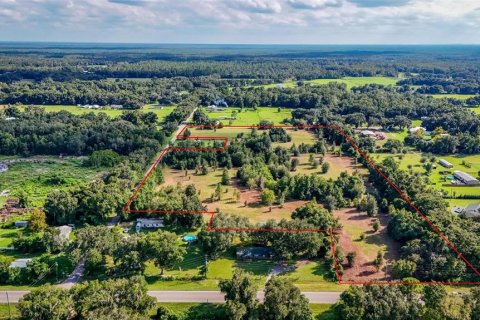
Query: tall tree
{"type": "Point", "coordinates": [284, 301]}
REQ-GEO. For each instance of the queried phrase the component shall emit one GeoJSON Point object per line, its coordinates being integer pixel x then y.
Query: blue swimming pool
{"type": "Point", "coordinates": [189, 237]}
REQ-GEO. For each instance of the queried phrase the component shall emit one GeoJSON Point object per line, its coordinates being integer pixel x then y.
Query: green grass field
{"type": "Point", "coordinates": [349, 81]}
{"type": "Point", "coordinates": [413, 160]}
{"type": "Point", "coordinates": [7, 311]}
{"type": "Point", "coordinates": [161, 113]}
{"type": "Point", "coordinates": [37, 179]}
{"type": "Point", "coordinates": [250, 116]}
{"type": "Point", "coordinates": [451, 95]}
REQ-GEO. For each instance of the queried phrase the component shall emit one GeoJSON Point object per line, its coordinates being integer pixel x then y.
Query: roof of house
{"type": "Point", "coordinates": [20, 263]}
{"type": "Point", "coordinates": [254, 251]}
{"type": "Point", "coordinates": [472, 210]}
{"type": "Point", "coordinates": [464, 176]}
{"type": "Point", "coordinates": [415, 129]}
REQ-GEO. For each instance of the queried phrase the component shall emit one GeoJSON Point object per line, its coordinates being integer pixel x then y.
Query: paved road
{"type": "Point", "coordinates": [194, 296]}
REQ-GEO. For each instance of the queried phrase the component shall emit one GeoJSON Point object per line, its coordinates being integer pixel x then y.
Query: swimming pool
{"type": "Point", "coordinates": [189, 237]}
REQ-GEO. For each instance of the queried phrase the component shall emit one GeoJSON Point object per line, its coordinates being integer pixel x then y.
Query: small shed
{"type": "Point", "coordinates": [65, 231]}
{"type": "Point", "coordinates": [445, 163]}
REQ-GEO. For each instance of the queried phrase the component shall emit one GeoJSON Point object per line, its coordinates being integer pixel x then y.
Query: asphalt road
{"type": "Point", "coordinates": [194, 296]}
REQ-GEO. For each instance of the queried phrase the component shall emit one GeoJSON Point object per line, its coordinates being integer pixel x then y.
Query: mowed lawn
{"type": "Point", "coordinates": [161, 113]}
{"type": "Point", "coordinates": [250, 116]}
{"type": "Point", "coordinates": [413, 160]}
{"type": "Point", "coordinates": [349, 81]}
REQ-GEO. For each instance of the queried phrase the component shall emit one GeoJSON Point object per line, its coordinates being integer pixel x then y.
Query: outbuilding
{"type": "Point", "coordinates": [465, 178]}
{"type": "Point", "coordinates": [445, 163]}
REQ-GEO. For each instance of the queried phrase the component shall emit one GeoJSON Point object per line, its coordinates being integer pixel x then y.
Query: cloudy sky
{"type": "Point", "coordinates": [242, 21]}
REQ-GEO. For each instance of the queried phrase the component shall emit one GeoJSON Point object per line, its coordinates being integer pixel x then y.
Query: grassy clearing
{"type": "Point", "coordinates": [322, 311]}
{"type": "Point", "coordinates": [250, 116]}
{"type": "Point", "coordinates": [7, 236]}
{"type": "Point", "coordinates": [413, 161]}
{"type": "Point", "coordinates": [37, 179]}
{"type": "Point", "coordinates": [451, 95]}
{"type": "Point", "coordinates": [401, 135]}
{"type": "Point", "coordinates": [311, 276]}
{"type": "Point", "coordinates": [349, 81]}
{"type": "Point", "coordinates": [161, 113]}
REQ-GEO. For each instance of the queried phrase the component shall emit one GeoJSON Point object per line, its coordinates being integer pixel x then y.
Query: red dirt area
{"type": "Point", "coordinates": [355, 223]}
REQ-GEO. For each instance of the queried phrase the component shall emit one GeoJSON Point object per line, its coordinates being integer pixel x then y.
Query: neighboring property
{"type": "Point", "coordinates": [3, 167]}
{"type": "Point", "coordinates": [255, 253]}
{"type": "Point", "coordinates": [10, 118]}
{"type": "Point", "coordinates": [213, 108]}
{"type": "Point", "coordinates": [116, 106]}
{"type": "Point", "coordinates": [20, 263]}
{"type": "Point", "coordinates": [21, 223]}
{"type": "Point", "coordinates": [149, 224]}
{"type": "Point", "coordinates": [465, 178]}
{"type": "Point", "coordinates": [367, 133]}
{"type": "Point", "coordinates": [472, 211]}
{"type": "Point", "coordinates": [445, 163]}
{"type": "Point", "coordinates": [65, 232]}
{"type": "Point", "coordinates": [415, 129]}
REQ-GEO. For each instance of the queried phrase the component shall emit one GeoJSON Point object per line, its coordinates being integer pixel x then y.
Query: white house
{"type": "Point", "coordinates": [415, 129]}
{"type": "Point", "coordinates": [20, 263]}
{"type": "Point", "coordinates": [149, 223]}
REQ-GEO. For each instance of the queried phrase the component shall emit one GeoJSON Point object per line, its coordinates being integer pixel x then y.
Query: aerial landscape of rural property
{"type": "Point", "coordinates": [242, 159]}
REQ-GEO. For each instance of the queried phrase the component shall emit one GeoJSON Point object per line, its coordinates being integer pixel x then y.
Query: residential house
{"type": "Point", "coordinates": [472, 211]}
{"type": "Point", "coordinates": [20, 263]}
{"type": "Point", "coordinates": [149, 224]}
{"type": "Point", "coordinates": [255, 253]}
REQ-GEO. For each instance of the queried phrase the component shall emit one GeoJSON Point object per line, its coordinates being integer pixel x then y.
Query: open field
{"type": "Point", "coordinates": [161, 113]}
{"type": "Point", "coordinates": [452, 95]}
{"type": "Point", "coordinates": [401, 135]}
{"type": "Point", "coordinates": [413, 161]}
{"type": "Point", "coordinates": [38, 178]}
{"type": "Point", "coordinates": [349, 81]}
{"type": "Point", "coordinates": [250, 116]}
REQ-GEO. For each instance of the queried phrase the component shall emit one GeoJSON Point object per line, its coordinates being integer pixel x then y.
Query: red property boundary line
{"type": "Point", "coordinates": [330, 232]}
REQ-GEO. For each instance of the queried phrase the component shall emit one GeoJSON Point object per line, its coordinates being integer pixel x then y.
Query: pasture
{"type": "Point", "coordinates": [249, 116]}
{"type": "Point", "coordinates": [37, 176]}
{"type": "Point", "coordinates": [350, 82]}
{"type": "Point", "coordinates": [161, 113]}
{"type": "Point", "coordinates": [466, 163]}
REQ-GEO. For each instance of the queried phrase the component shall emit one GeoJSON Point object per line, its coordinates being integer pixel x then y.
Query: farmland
{"type": "Point", "coordinates": [38, 175]}
{"type": "Point", "coordinates": [161, 113]}
{"type": "Point", "coordinates": [350, 82]}
{"type": "Point", "coordinates": [250, 116]}
{"type": "Point", "coordinates": [466, 163]}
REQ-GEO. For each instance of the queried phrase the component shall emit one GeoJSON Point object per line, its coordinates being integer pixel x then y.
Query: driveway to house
{"type": "Point", "coordinates": [194, 296]}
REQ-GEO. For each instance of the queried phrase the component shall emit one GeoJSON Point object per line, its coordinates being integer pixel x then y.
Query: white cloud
{"type": "Point", "coordinates": [312, 21]}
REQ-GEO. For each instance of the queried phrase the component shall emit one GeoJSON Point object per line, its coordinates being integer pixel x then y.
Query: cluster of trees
{"type": "Point", "coordinates": [425, 255]}
{"type": "Point", "coordinates": [376, 302]}
{"type": "Point", "coordinates": [283, 301]}
{"type": "Point", "coordinates": [121, 299]}
{"type": "Point", "coordinates": [38, 132]}
{"type": "Point", "coordinates": [287, 245]}
{"type": "Point", "coordinates": [129, 254]}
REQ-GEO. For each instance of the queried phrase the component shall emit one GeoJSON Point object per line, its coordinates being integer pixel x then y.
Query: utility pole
{"type": "Point", "coordinates": [8, 303]}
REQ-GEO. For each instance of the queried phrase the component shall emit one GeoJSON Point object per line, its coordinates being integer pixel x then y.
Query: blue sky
{"type": "Point", "coordinates": [242, 21]}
